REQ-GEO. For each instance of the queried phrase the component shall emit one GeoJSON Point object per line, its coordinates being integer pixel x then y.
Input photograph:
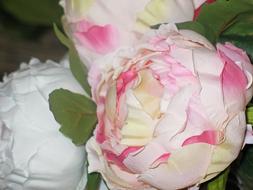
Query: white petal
{"type": "Point", "coordinates": [42, 157]}
{"type": "Point", "coordinates": [185, 167]}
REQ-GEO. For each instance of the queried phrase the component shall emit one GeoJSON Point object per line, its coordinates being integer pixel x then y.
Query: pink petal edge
{"type": "Point", "coordinates": [101, 39]}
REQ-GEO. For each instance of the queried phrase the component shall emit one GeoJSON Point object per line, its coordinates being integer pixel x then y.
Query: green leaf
{"type": "Point", "coordinates": [245, 170]}
{"type": "Point", "coordinates": [242, 24]}
{"type": "Point", "coordinates": [62, 37]}
{"type": "Point", "coordinates": [219, 183]}
{"type": "Point", "coordinates": [248, 1]}
{"type": "Point", "coordinates": [93, 183]}
{"type": "Point", "coordinates": [191, 25]}
{"type": "Point", "coordinates": [197, 27]}
{"type": "Point", "coordinates": [79, 70]}
{"type": "Point", "coordinates": [249, 114]}
{"type": "Point", "coordinates": [77, 67]}
{"type": "Point", "coordinates": [240, 32]}
{"type": "Point", "coordinates": [215, 18]}
{"type": "Point", "coordinates": [75, 113]}
{"type": "Point", "coordinates": [34, 12]}
{"type": "Point", "coordinates": [218, 16]}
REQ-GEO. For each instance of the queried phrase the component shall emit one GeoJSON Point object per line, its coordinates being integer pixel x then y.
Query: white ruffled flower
{"type": "Point", "coordinates": [33, 153]}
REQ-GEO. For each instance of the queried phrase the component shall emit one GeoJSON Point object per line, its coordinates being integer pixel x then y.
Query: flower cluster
{"type": "Point", "coordinates": [171, 113]}
{"type": "Point", "coordinates": [170, 104]}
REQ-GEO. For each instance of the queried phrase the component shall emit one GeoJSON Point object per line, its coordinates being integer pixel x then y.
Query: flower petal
{"type": "Point", "coordinates": [142, 160]}
{"type": "Point", "coordinates": [100, 39]}
{"type": "Point", "coordinates": [226, 152]}
{"type": "Point", "coordinates": [234, 88]}
{"type": "Point", "coordinates": [165, 11]}
{"type": "Point", "coordinates": [183, 168]}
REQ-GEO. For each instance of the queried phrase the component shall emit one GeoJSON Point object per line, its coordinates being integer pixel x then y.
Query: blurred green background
{"type": "Point", "coordinates": [26, 31]}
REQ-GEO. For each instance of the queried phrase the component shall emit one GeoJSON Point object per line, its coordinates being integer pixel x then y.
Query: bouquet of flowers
{"type": "Point", "coordinates": [159, 101]}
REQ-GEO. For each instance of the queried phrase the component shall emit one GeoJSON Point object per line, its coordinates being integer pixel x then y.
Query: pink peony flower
{"type": "Point", "coordinates": [170, 111]}
{"type": "Point", "coordinates": [99, 27]}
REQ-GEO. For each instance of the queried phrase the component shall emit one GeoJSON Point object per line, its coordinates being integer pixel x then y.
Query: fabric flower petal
{"type": "Point", "coordinates": [168, 110]}
{"type": "Point", "coordinates": [179, 171]}
{"type": "Point", "coordinates": [100, 39]}
{"type": "Point", "coordinates": [29, 135]}
{"type": "Point", "coordinates": [165, 11]}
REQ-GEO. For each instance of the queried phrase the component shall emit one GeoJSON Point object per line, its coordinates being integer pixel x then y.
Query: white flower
{"type": "Point", "coordinates": [33, 153]}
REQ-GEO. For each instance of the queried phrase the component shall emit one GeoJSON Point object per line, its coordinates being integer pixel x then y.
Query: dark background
{"type": "Point", "coordinates": [26, 32]}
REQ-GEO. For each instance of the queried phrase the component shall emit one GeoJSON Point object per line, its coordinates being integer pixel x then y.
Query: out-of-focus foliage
{"type": "Point", "coordinates": [28, 18]}
{"type": "Point", "coordinates": [34, 12]}
{"type": "Point", "coordinates": [245, 169]}
{"type": "Point", "coordinates": [220, 182]}
{"type": "Point", "coordinates": [240, 32]}
{"type": "Point", "coordinates": [94, 180]}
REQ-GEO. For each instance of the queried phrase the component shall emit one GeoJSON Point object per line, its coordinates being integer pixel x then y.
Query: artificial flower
{"type": "Point", "coordinates": [33, 152]}
{"type": "Point", "coordinates": [100, 27]}
{"type": "Point", "coordinates": [171, 113]}
{"type": "Point", "coordinates": [168, 11]}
